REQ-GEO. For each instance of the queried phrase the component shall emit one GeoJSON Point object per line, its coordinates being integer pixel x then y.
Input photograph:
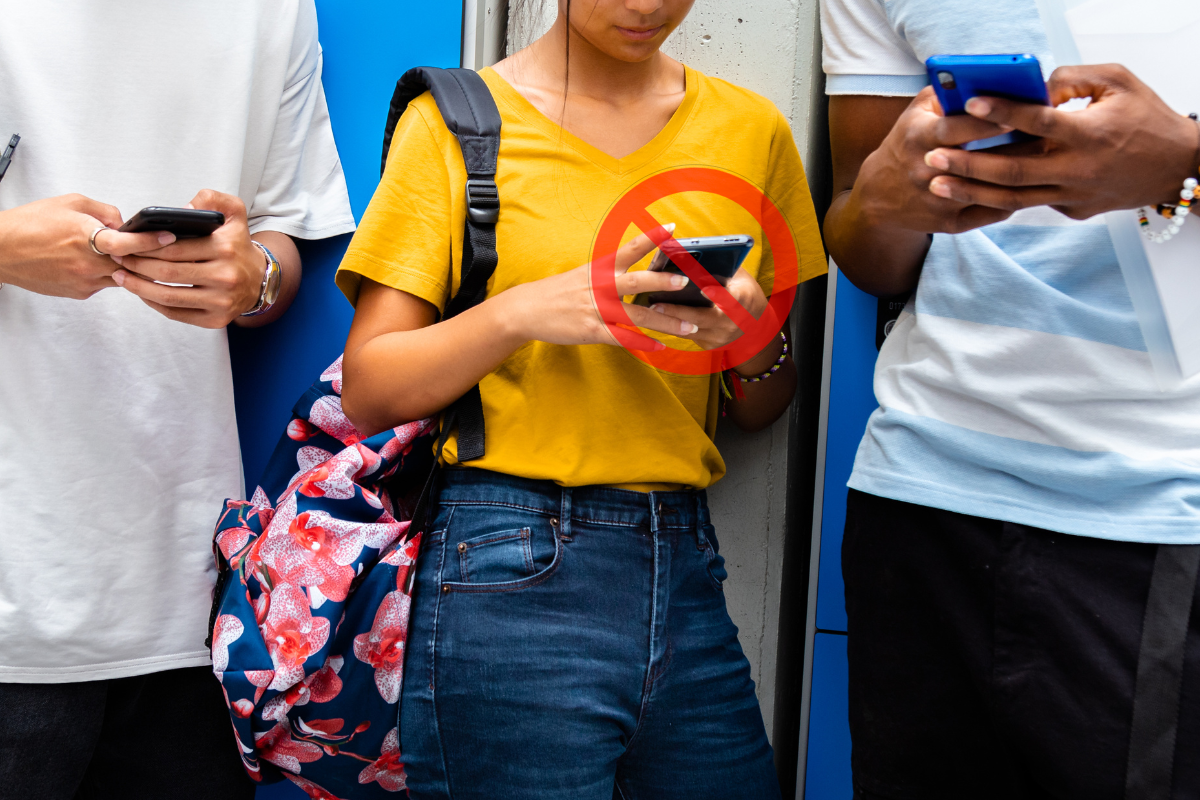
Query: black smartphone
{"type": "Point", "coordinates": [720, 256]}
{"type": "Point", "coordinates": [956, 79]}
{"type": "Point", "coordinates": [185, 223]}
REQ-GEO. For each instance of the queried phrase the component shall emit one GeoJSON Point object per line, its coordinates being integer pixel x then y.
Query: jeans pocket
{"type": "Point", "coordinates": [495, 557]}
{"type": "Point", "coordinates": [480, 558]}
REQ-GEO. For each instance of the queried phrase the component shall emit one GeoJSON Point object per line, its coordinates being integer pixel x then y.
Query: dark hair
{"type": "Point", "coordinates": [567, 69]}
{"type": "Point", "coordinates": [528, 11]}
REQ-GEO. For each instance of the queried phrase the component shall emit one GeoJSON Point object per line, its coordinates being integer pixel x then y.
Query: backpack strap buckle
{"type": "Point", "coordinates": [483, 201]}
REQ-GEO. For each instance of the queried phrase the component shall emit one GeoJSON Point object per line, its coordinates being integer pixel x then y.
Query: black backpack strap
{"type": "Point", "coordinates": [470, 113]}
{"type": "Point", "coordinates": [1159, 681]}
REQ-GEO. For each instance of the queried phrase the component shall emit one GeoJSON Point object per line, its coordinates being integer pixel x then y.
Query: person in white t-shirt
{"type": "Point", "coordinates": [118, 440]}
{"type": "Point", "coordinates": [1022, 534]}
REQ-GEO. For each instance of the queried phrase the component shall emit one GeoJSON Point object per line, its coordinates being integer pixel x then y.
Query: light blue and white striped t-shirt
{"type": "Point", "coordinates": [1016, 384]}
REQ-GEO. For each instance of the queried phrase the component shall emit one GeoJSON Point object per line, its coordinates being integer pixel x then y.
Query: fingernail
{"type": "Point", "coordinates": [117, 259]}
{"type": "Point", "coordinates": [166, 237]}
{"type": "Point", "coordinates": [669, 227]}
{"type": "Point", "coordinates": [689, 328]}
{"type": "Point", "coordinates": [119, 276]}
{"type": "Point", "coordinates": [679, 281]}
{"type": "Point", "coordinates": [937, 160]}
{"type": "Point", "coordinates": [656, 307]}
{"type": "Point", "coordinates": [978, 107]}
{"type": "Point", "coordinates": [658, 346]}
{"type": "Point", "coordinates": [940, 188]}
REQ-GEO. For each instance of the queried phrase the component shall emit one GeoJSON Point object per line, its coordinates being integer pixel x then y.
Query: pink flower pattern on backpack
{"type": "Point", "coordinates": [383, 646]}
{"type": "Point", "coordinates": [388, 769]}
{"type": "Point", "coordinates": [311, 610]}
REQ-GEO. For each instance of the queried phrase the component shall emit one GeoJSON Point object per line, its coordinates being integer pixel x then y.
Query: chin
{"type": "Point", "coordinates": [631, 52]}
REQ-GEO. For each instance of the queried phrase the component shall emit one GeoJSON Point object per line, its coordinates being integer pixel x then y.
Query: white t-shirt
{"type": "Point", "coordinates": [117, 433]}
{"type": "Point", "coordinates": [1016, 385]}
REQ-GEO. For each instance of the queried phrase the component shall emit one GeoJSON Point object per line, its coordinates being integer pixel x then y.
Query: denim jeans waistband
{"type": "Point", "coordinates": [598, 505]}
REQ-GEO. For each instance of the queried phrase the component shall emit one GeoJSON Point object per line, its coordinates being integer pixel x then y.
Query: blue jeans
{"type": "Point", "coordinates": [573, 644]}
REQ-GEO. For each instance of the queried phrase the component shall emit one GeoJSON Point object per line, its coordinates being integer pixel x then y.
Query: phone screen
{"type": "Point", "coordinates": [719, 256]}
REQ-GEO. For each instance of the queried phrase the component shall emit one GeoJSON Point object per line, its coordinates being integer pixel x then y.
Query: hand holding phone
{"type": "Point", "coordinates": [1127, 148]}
{"type": "Point", "coordinates": [720, 256]}
{"type": "Point", "coordinates": [209, 277]}
{"type": "Point", "coordinates": [185, 223]}
{"type": "Point", "coordinates": [956, 79]}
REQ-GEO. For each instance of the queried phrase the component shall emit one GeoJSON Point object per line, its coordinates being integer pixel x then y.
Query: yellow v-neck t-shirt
{"type": "Point", "coordinates": [581, 414]}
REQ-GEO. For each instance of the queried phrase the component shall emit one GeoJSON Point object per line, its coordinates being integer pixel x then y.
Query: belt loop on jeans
{"type": "Point", "coordinates": [701, 539]}
{"type": "Point", "coordinates": [564, 513]}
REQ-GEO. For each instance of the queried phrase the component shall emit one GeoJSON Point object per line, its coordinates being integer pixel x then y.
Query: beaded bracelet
{"type": "Point", "coordinates": [774, 367]}
{"type": "Point", "coordinates": [738, 380]}
{"type": "Point", "coordinates": [1177, 214]}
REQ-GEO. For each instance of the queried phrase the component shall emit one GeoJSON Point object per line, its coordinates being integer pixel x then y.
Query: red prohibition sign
{"type": "Point", "coordinates": [633, 209]}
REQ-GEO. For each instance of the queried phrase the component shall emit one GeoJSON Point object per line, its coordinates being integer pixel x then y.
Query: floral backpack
{"type": "Point", "coordinates": [315, 571]}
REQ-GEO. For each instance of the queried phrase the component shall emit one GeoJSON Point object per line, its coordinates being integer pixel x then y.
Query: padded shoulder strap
{"type": "Point", "coordinates": [466, 105]}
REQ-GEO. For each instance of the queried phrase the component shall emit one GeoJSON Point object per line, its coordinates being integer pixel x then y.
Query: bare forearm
{"type": "Point", "coordinates": [765, 400]}
{"type": "Point", "coordinates": [408, 375]}
{"type": "Point", "coordinates": [878, 259]}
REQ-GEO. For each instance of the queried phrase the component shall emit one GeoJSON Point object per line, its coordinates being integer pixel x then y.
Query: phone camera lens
{"type": "Point", "coordinates": [946, 79]}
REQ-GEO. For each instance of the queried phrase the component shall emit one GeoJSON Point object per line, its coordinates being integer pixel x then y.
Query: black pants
{"type": "Point", "coordinates": [165, 735]}
{"type": "Point", "coordinates": [995, 660]}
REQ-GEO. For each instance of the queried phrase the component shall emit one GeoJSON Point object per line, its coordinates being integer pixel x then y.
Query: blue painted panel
{"type": "Point", "coordinates": [828, 776]}
{"type": "Point", "coordinates": [851, 401]}
{"type": "Point", "coordinates": [368, 44]}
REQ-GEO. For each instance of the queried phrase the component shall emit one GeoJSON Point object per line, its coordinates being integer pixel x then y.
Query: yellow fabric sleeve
{"type": "Point", "coordinates": [405, 239]}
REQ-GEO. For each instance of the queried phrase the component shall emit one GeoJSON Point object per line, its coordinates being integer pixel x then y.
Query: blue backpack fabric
{"type": "Point", "coordinates": [310, 610]}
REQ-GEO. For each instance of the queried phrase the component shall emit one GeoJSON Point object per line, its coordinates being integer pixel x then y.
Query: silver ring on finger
{"type": "Point", "coordinates": [92, 240]}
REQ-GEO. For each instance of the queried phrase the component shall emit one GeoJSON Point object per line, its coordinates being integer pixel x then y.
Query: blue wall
{"type": "Point", "coordinates": [851, 401]}
{"type": "Point", "coordinates": [368, 45]}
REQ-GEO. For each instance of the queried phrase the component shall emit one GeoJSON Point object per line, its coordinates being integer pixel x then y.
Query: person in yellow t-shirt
{"type": "Point", "coordinates": [568, 636]}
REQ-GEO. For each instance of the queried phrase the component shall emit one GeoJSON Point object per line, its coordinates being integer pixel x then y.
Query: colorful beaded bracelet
{"type": "Point", "coordinates": [737, 380]}
{"type": "Point", "coordinates": [774, 367]}
{"type": "Point", "coordinates": [1177, 214]}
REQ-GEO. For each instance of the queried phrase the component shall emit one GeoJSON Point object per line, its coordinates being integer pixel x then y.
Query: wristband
{"type": "Point", "coordinates": [1177, 214]}
{"type": "Point", "coordinates": [738, 380]}
{"type": "Point", "coordinates": [272, 279]}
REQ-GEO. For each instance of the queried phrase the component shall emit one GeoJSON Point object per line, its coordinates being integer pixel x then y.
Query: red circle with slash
{"type": "Point", "coordinates": [633, 209]}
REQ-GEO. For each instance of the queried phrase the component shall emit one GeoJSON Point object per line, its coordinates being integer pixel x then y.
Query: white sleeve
{"type": "Point", "coordinates": [302, 191]}
{"type": "Point", "coordinates": [863, 53]}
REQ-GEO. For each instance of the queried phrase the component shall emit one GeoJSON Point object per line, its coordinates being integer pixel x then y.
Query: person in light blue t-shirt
{"type": "Point", "coordinates": [1023, 528]}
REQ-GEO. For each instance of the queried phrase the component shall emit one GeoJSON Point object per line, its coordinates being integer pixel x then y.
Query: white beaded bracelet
{"type": "Point", "coordinates": [1177, 214]}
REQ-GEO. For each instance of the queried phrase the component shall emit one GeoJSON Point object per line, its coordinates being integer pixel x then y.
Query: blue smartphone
{"type": "Point", "coordinates": [956, 79]}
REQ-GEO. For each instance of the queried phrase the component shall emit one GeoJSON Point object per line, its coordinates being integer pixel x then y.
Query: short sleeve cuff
{"type": "Point", "coordinates": [356, 266]}
{"type": "Point", "coordinates": [883, 85]}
